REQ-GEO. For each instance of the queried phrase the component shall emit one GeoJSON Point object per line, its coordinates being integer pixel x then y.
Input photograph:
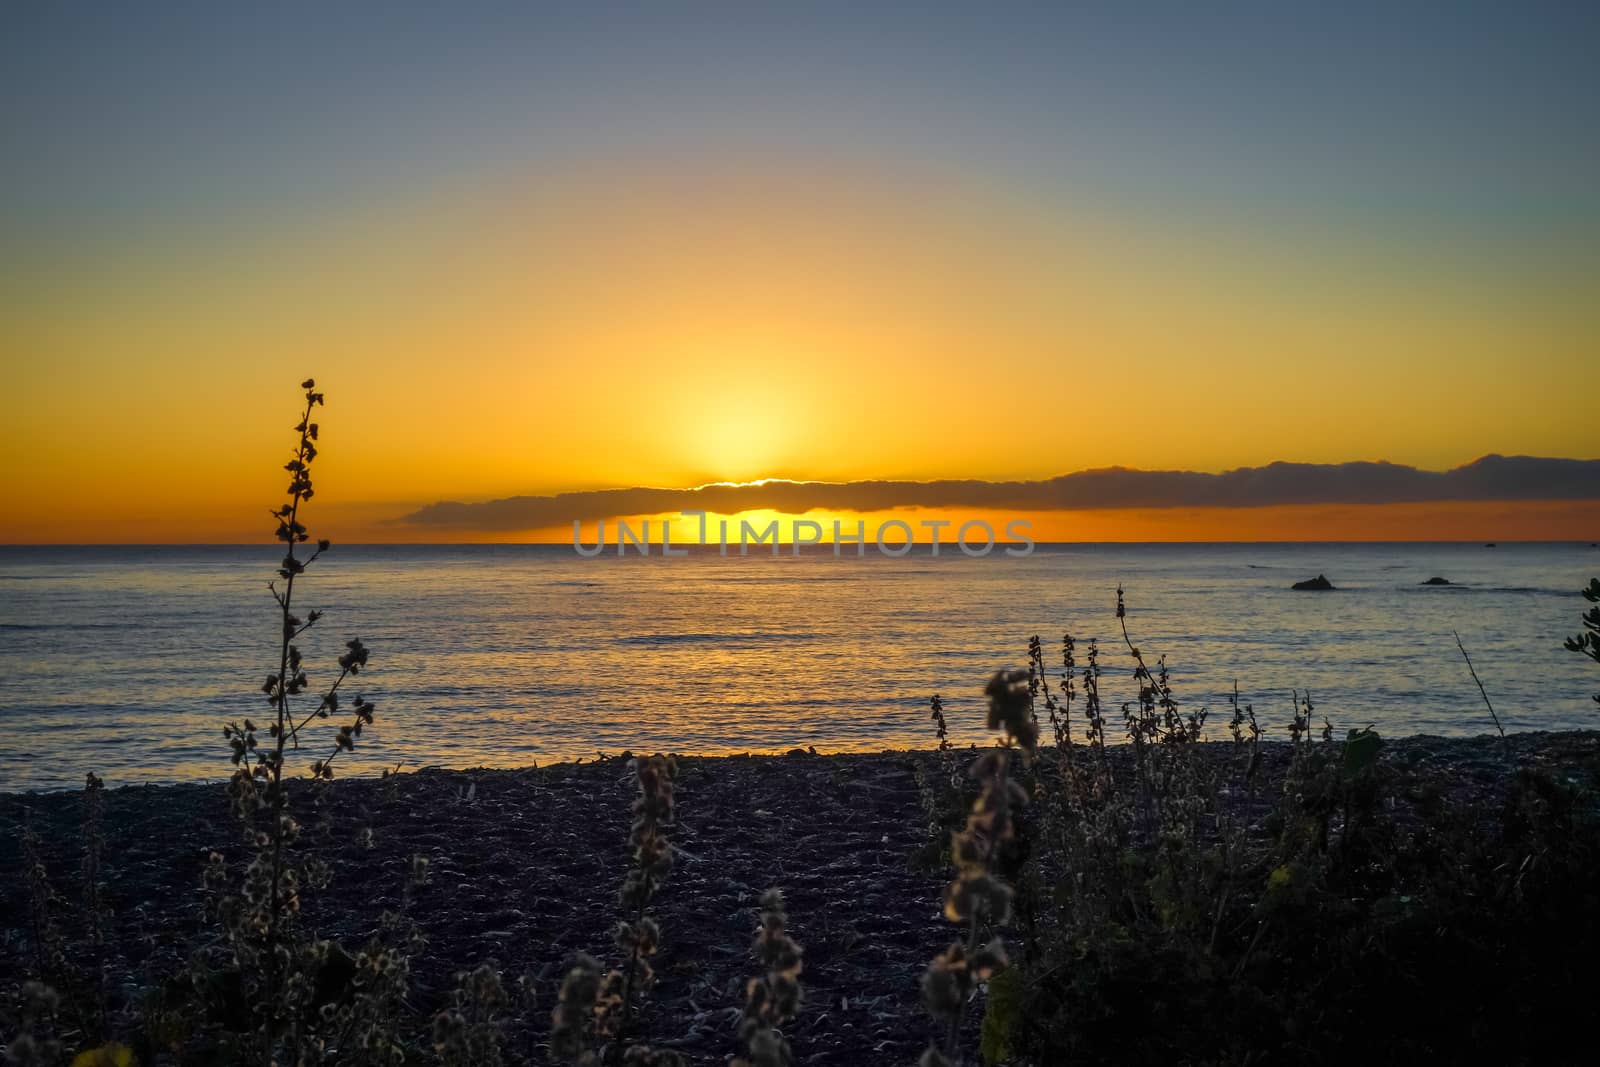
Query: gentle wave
{"type": "Point", "coordinates": [716, 638]}
{"type": "Point", "coordinates": [128, 661]}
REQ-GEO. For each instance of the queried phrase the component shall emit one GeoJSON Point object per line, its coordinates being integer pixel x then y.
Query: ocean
{"type": "Point", "coordinates": [127, 661]}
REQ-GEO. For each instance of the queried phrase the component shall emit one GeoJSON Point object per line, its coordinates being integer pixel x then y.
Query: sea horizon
{"type": "Point", "coordinates": [509, 654]}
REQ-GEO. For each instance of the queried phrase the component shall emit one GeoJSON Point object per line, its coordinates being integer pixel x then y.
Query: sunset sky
{"type": "Point", "coordinates": [529, 250]}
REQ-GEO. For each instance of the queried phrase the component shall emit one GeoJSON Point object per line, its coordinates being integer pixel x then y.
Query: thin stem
{"type": "Point", "coordinates": [275, 790]}
{"type": "Point", "coordinates": [953, 1032]}
{"type": "Point", "coordinates": [1485, 693]}
{"type": "Point", "coordinates": [337, 748]}
{"type": "Point", "coordinates": [627, 986]}
{"type": "Point", "coordinates": [1261, 928]}
{"type": "Point", "coordinates": [294, 731]}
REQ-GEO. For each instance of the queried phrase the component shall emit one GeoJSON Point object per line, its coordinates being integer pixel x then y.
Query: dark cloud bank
{"type": "Point", "coordinates": [1489, 478]}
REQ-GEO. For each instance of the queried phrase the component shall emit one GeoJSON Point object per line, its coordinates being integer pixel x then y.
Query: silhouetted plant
{"type": "Point", "coordinates": [978, 897]}
{"type": "Point", "coordinates": [574, 1030]}
{"type": "Point", "coordinates": [773, 999]}
{"type": "Point", "coordinates": [94, 843]}
{"type": "Point", "coordinates": [1481, 690]}
{"type": "Point", "coordinates": [594, 1016]}
{"type": "Point", "coordinates": [1246, 733]}
{"type": "Point", "coordinates": [50, 961]}
{"type": "Point", "coordinates": [362, 1024]}
{"type": "Point", "coordinates": [69, 961]}
{"type": "Point", "coordinates": [1200, 919]}
{"type": "Point", "coordinates": [1587, 643]}
{"type": "Point", "coordinates": [940, 729]}
{"type": "Point", "coordinates": [276, 965]}
{"type": "Point", "coordinates": [469, 1032]}
{"type": "Point", "coordinates": [939, 785]}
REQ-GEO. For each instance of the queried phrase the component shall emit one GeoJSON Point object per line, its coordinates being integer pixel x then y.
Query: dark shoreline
{"type": "Point", "coordinates": [525, 875]}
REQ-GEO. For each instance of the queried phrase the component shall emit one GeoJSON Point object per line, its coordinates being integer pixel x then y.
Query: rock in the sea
{"type": "Point", "coordinates": [1317, 584]}
{"type": "Point", "coordinates": [1437, 581]}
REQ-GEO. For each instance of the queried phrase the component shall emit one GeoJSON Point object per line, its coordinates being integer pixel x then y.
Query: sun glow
{"type": "Point", "coordinates": [738, 434]}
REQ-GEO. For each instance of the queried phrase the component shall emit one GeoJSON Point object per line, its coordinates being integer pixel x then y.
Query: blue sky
{"type": "Point", "coordinates": [1465, 116]}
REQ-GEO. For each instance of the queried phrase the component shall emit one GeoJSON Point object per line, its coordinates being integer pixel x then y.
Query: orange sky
{"type": "Point", "coordinates": [591, 336]}
{"type": "Point", "coordinates": [501, 341]}
{"type": "Point", "coordinates": [532, 251]}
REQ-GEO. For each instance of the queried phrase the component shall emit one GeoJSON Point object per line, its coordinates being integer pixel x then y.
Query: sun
{"type": "Point", "coordinates": [744, 434]}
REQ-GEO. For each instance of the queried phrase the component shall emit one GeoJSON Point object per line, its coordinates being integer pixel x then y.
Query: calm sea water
{"type": "Point", "coordinates": [128, 661]}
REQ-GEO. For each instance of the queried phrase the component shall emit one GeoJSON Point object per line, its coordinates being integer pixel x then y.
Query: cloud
{"type": "Point", "coordinates": [1490, 478]}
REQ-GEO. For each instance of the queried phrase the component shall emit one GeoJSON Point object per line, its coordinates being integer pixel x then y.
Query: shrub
{"type": "Point", "coordinates": [1587, 642]}
{"type": "Point", "coordinates": [1189, 918]}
